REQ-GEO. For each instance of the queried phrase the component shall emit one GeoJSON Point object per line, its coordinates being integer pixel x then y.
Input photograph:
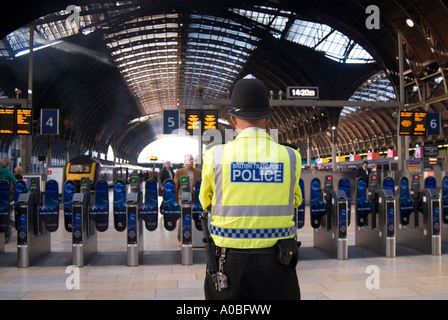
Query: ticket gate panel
{"type": "Point", "coordinates": [197, 206]}
{"type": "Point", "coordinates": [49, 212]}
{"type": "Point", "coordinates": [5, 209]}
{"type": "Point", "coordinates": [444, 212]}
{"type": "Point", "coordinates": [148, 212]}
{"type": "Point", "coordinates": [317, 206]}
{"type": "Point", "coordinates": [69, 191]}
{"type": "Point", "coordinates": [134, 229]}
{"type": "Point", "coordinates": [170, 209]}
{"type": "Point", "coordinates": [120, 205]}
{"type": "Point", "coordinates": [344, 185]}
{"type": "Point", "coordinates": [445, 200]}
{"type": "Point", "coordinates": [299, 212]}
{"type": "Point", "coordinates": [406, 204]}
{"type": "Point", "coordinates": [363, 205]}
{"type": "Point", "coordinates": [100, 211]}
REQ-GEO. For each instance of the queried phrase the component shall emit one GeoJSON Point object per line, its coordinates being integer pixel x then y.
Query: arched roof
{"type": "Point", "coordinates": [129, 60]}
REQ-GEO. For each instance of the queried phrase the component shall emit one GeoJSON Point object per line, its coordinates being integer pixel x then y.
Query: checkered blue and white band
{"type": "Point", "coordinates": [263, 233]}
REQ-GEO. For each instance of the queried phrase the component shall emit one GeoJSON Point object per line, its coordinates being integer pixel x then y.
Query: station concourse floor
{"type": "Point", "coordinates": [160, 275]}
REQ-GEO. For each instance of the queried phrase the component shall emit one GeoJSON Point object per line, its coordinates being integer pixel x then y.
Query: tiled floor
{"type": "Point", "coordinates": [164, 278]}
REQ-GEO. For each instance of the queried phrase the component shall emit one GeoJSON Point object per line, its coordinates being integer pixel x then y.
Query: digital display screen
{"type": "Point", "coordinates": [7, 120]}
{"type": "Point", "coordinates": [16, 121]}
{"type": "Point", "coordinates": [302, 92]}
{"type": "Point", "coordinates": [420, 123]}
{"type": "Point", "coordinates": [413, 123]}
{"type": "Point", "coordinates": [24, 121]}
{"type": "Point", "coordinates": [192, 120]}
{"type": "Point", "coordinates": [200, 119]}
{"type": "Point", "coordinates": [210, 119]}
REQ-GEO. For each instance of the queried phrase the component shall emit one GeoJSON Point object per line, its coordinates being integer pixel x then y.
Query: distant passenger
{"type": "Point", "coordinates": [193, 174]}
{"type": "Point", "coordinates": [363, 172]}
{"type": "Point", "coordinates": [18, 173]}
{"type": "Point", "coordinates": [167, 172]}
{"type": "Point", "coordinates": [5, 173]}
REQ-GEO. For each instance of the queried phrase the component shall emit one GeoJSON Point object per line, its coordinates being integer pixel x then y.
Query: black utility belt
{"type": "Point", "coordinates": [270, 250]}
{"type": "Point", "coordinates": [284, 249]}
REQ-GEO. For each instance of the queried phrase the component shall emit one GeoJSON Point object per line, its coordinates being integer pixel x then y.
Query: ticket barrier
{"type": "Point", "coordinates": [422, 231]}
{"type": "Point", "coordinates": [376, 216]}
{"type": "Point", "coordinates": [84, 236]}
{"type": "Point", "coordinates": [186, 221]}
{"type": "Point", "coordinates": [5, 212]}
{"type": "Point", "coordinates": [331, 235]}
{"type": "Point", "coordinates": [134, 224]}
{"type": "Point", "coordinates": [33, 239]}
{"type": "Point", "coordinates": [444, 231]}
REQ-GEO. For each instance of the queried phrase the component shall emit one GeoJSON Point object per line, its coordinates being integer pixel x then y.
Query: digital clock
{"type": "Point", "coordinates": [302, 92]}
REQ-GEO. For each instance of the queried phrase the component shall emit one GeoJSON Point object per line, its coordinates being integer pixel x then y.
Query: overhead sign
{"type": "Point", "coordinates": [16, 121]}
{"type": "Point", "coordinates": [209, 119]}
{"type": "Point", "coordinates": [49, 122]}
{"type": "Point", "coordinates": [433, 127]}
{"type": "Point", "coordinates": [193, 120]}
{"type": "Point", "coordinates": [170, 121]}
{"type": "Point", "coordinates": [200, 119]}
{"type": "Point", "coordinates": [7, 120]}
{"type": "Point", "coordinates": [413, 123]}
{"type": "Point", "coordinates": [302, 92]}
{"type": "Point", "coordinates": [420, 123]}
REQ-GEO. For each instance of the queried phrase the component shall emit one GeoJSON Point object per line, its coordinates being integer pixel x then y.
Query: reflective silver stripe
{"type": "Point", "coordinates": [252, 211]}
{"type": "Point", "coordinates": [292, 168]}
{"type": "Point", "coordinates": [262, 233]}
{"type": "Point", "coordinates": [217, 169]}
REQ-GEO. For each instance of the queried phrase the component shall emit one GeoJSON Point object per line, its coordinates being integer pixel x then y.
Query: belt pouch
{"type": "Point", "coordinates": [287, 249]}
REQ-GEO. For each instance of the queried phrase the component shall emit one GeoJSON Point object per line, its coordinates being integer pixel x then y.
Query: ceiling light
{"type": "Point", "coordinates": [410, 22]}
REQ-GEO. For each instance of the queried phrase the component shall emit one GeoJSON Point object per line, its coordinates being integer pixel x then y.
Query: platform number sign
{"type": "Point", "coordinates": [49, 121]}
{"type": "Point", "coordinates": [433, 126]}
{"type": "Point", "coordinates": [170, 121]}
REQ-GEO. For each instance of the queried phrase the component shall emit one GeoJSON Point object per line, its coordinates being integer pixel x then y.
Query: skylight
{"type": "Point", "coordinates": [318, 36]}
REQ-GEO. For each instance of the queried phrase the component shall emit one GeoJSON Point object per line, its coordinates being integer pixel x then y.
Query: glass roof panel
{"type": "Point", "coordinates": [376, 88]}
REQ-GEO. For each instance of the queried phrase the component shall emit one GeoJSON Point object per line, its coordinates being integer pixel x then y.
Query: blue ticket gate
{"type": "Point", "coordinates": [375, 216]}
{"type": "Point", "coordinates": [84, 236]}
{"type": "Point", "coordinates": [420, 221]}
{"type": "Point", "coordinates": [134, 230]}
{"type": "Point", "coordinates": [33, 238]}
{"type": "Point", "coordinates": [444, 204]}
{"type": "Point", "coordinates": [329, 219]}
{"type": "Point", "coordinates": [5, 212]}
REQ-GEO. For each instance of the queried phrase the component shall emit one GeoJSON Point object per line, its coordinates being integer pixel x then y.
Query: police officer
{"type": "Point", "coordinates": [251, 187]}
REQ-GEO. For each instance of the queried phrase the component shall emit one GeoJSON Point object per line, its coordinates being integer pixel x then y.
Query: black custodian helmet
{"type": "Point", "coordinates": [250, 100]}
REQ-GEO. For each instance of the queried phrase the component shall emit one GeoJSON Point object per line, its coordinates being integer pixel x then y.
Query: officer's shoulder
{"type": "Point", "coordinates": [290, 146]}
{"type": "Point", "coordinates": [210, 147]}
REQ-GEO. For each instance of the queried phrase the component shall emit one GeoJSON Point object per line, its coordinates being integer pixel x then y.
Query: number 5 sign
{"type": "Point", "coordinates": [170, 121]}
{"type": "Point", "coordinates": [49, 121]}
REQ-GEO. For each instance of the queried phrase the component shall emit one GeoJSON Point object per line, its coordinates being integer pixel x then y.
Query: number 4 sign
{"type": "Point", "coordinates": [49, 121]}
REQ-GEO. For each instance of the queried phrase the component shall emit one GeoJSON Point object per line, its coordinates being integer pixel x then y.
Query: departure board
{"type": "Point", "coordinates": [420, 123]}
{"type": "Point", "coordinates": [24, 121]}
{"type": "Point", "coordinates": [413, 123]}
{"type": "Point", "coordinates": [7, 120]}
{"type": "Point", "coordinates": [16, 120]}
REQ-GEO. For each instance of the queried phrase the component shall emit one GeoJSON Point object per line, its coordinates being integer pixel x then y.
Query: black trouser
{"type": "Point", "coordinates": [255, 275]}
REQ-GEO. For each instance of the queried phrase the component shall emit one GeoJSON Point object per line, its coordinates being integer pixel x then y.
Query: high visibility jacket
{"type": "Point", "coordinates": [251, 187]}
